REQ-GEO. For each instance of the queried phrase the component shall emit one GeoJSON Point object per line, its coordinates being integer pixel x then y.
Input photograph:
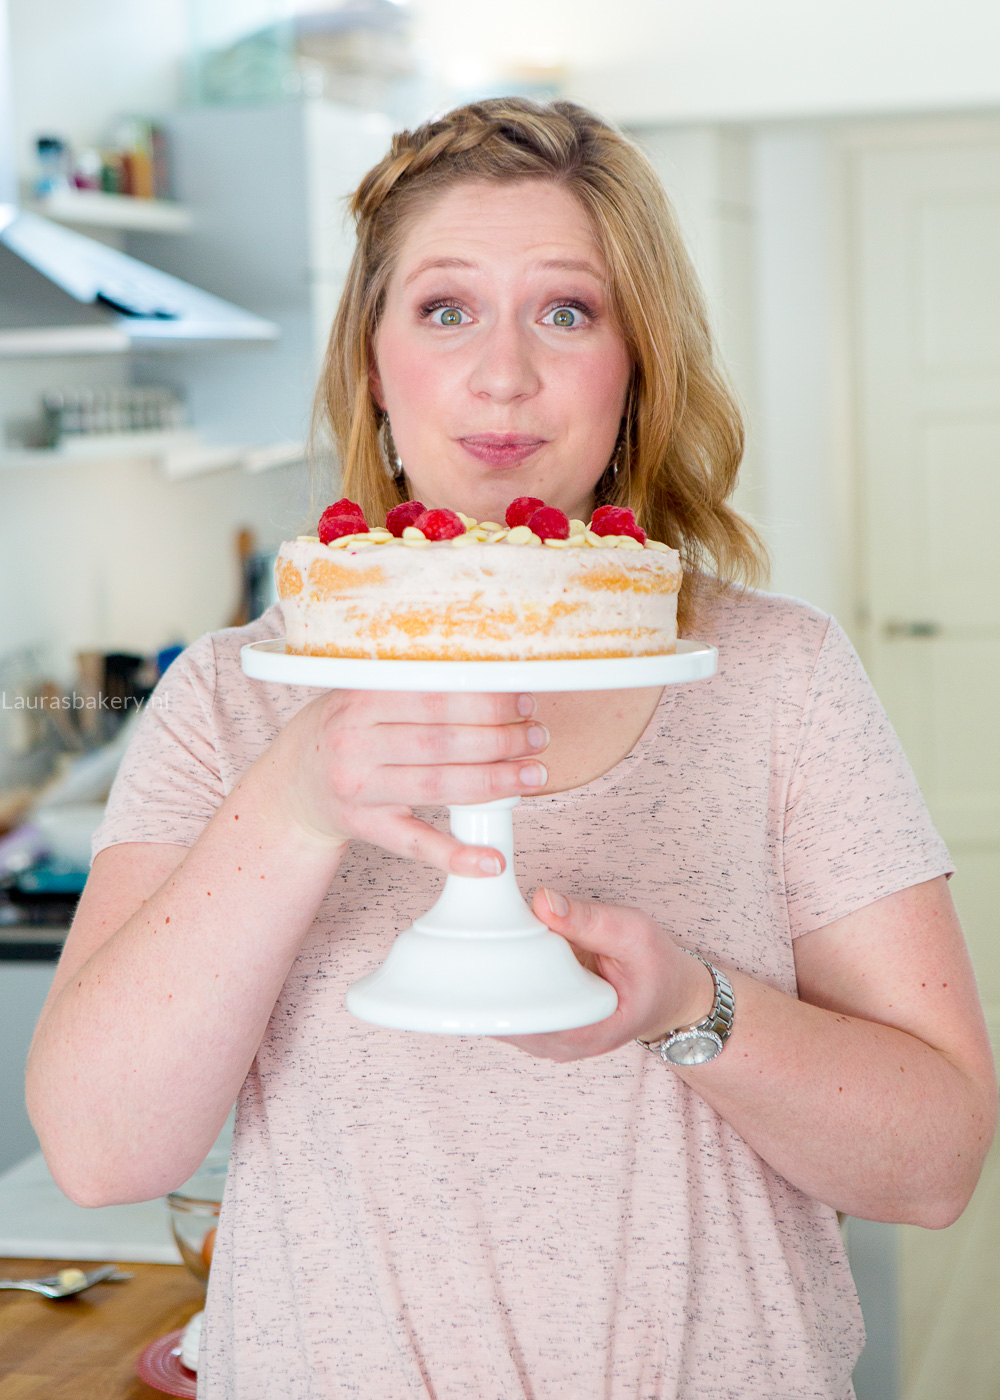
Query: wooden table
{"type": "Point", "coordinates": [85, 1348]}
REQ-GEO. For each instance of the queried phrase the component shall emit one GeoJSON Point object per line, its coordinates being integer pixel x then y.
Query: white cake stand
{"type": "Point", "coordinates": [479, 962]}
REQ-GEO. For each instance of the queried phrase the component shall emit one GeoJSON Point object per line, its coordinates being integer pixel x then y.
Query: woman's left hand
{"type": "Point", "coordinates": [659, 986]}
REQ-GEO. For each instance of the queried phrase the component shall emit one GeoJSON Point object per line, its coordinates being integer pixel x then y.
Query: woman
{"type": "Point", "coordinates": [552, 1215]}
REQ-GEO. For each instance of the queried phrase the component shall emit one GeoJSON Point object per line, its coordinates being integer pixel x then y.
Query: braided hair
{"type": "Point", "coordinates": [681, 438]}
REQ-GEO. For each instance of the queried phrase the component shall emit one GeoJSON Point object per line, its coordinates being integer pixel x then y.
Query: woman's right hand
{"type": "Point", "coordinates": [352, 764]}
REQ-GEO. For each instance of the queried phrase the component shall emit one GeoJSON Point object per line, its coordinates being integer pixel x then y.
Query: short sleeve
{"type": "Point", "coordinates": [856, 826]}
{"type": "Point", "coordinates": [169, 781]}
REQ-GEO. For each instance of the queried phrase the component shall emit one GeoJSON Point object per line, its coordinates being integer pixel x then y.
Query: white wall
{"type": "Point", "coordinates": [800, 335]}
{"type": "Point", "coordinates": [706, 171]}
{"type": "Point", "coordinates": [760, 209]}
{"type": "Point", "coordinates": [111, 556]}
{"type": "Point", "coordinates": [697, 60]}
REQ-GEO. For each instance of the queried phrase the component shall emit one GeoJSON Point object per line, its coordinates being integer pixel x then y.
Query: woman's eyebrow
{"type": "Point", "coordinates": [430, 263]}
{"type": "Point", "coordinates": [570, 265]}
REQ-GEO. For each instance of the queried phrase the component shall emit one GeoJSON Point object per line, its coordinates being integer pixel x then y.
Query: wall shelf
{"type": "Point", "coordinates": [34, 341]}
{"type": "Point", "coordinates": [94, 209]}
{"type": "Point", "coordinates": [179, 453]}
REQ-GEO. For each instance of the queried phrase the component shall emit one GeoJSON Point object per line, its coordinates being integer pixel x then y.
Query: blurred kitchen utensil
{"type": "Point", "coordinates": [68, 1282]}
{"type": "Point", "coordinates": [246, 545]}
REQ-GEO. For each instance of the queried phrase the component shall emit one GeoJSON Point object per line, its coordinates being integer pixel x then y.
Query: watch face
{"type": "Point", "coordinates": [692, 1048]}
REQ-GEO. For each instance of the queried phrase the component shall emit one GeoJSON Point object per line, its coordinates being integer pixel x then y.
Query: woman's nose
{"type": "Point", "coordinates": [505, 367]}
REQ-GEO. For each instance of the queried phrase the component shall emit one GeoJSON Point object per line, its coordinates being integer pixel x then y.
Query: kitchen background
{"type": "Point", "coordinates": [836, 168]}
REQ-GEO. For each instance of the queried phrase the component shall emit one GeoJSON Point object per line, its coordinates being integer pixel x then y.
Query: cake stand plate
{"type": "Point", "coordinates": [268, 661]}
{"type": "Point", "coordinates": [479, 962]}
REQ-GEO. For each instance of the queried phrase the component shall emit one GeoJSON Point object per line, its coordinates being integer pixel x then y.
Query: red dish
{"type": "Point", "coordinates": [160, 1366]}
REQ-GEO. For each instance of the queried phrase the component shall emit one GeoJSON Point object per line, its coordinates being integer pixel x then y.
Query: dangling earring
{"type": "Point", "coordinates": [390, 457]}
{"type": "Point", "coordinates": [606, 485]}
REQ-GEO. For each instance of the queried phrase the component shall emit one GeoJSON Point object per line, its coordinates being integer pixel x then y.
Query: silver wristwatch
{"type": "Point", "coordinates": [696, 1045]}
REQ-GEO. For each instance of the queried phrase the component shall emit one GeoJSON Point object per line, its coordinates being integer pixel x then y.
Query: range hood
{"type": "Point", "coordinates": [137, 305]}
{"type": "Point", "coordinates": [106, 301]}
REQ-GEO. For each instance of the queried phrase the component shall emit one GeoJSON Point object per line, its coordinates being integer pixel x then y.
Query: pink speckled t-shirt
{"type": "Point", "coordinates": [420, 1217]}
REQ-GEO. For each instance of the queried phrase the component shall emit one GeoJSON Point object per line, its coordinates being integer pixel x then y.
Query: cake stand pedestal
{"type": "Point", "coordinates": [479, 962]}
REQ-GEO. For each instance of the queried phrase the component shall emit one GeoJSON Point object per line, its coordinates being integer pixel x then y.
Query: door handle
{"type": "Point", "coordinates": [895, 630]}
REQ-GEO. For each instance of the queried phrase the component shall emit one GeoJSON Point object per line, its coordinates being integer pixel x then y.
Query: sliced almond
{"type": "Point", "coordinates": [497, 536]}
{"type": "Point", "coordinates": [460, 541]}
{"type": "Point", "coordinates": [490, 525]}
{"type": "Point", "coordinates": [521, 534]}
{"type": "Point", "coordinates": [578, 527]}
{"type": "Point", "coordinates": [412, 533]}
{"type": "Point", "coordinates": [556, 544]}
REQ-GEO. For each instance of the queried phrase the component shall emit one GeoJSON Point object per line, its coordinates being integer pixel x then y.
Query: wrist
{"type": "Point", "coordinates": [700, 1041]}
{"type": "Point", "coordinates": [692, 1002]}
{"type": "Point", "coordinates": [268, 790]}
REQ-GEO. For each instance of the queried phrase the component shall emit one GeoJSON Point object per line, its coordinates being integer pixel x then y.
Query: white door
{"type": "Point", "coordinates": [927, 277]}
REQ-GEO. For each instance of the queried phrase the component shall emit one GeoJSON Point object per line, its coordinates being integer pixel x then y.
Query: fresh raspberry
{"type": "Point", "coordinates": [617, 520]}
{"type": "Point", "coordinates": [331, 527]}
{"type": "Point", "coordinates": [346, 507]}
{"type": "Point", "coordinates": [549, 524]}
{"type": "Point", "coordinates": [519, 512]}
{"type": "Point", "coordinates": [402, 515]}
{"type": "Point", "coordinates": [439, 524]}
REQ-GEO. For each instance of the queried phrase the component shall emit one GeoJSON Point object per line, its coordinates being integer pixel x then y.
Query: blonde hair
{"type": "Point", "coordinates": [682, 432]}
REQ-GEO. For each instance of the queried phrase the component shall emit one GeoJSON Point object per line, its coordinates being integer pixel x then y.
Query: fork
{"type": "Point", "coordinates": [51, 1287]}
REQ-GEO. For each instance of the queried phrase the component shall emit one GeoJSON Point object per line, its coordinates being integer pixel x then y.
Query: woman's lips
{"type": "Point", "coordinates": [501, 449]}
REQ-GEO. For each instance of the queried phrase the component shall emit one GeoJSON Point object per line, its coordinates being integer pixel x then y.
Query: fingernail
{"type": "Point", "coordinates": [490, 865]}
{"type": "Point", "coordinates": [534, 775]}
{"type": "Point", "coordinates": [556, 903]}
{"type": "Point", "coordinates": [538, 736]}
{"type": "Point", "coordinates": [526, 705]}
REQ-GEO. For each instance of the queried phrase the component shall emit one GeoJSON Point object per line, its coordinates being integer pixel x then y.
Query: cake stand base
{"type": "Point", "coordinates": [479, 962]}
{"type": "Point", "coordinates": [508, 986]}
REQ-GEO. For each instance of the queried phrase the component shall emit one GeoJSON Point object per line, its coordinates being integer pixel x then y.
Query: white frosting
{"type": "Point", "coordinates": [480, 601]}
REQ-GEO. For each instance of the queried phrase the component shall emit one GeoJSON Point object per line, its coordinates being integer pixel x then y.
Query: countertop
{"type": "Point", "coordinates": [85, 1348]}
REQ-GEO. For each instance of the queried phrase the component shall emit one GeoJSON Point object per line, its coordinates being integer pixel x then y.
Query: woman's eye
{"type": "Point", "coordinates": [448, 316]}
{"type": "Point", "coordinates": [565, 316]}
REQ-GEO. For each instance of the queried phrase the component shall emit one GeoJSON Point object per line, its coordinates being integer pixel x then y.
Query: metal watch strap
{"type": "Point", "coordinates": [718, 1022]}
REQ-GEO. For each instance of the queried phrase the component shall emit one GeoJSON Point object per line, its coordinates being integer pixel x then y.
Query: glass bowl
{"type": "Point", "coordinates": [194, 1216]}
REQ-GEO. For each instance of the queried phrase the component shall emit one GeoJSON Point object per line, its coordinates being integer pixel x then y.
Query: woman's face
{"type": "Point", "coordinates": [496, 357]}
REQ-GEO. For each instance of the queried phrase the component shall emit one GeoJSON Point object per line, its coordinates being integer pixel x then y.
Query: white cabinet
{"type": "Point", "coordinates": [268, 190]}
{"type": "Point", "coordinates": [23, 989]}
